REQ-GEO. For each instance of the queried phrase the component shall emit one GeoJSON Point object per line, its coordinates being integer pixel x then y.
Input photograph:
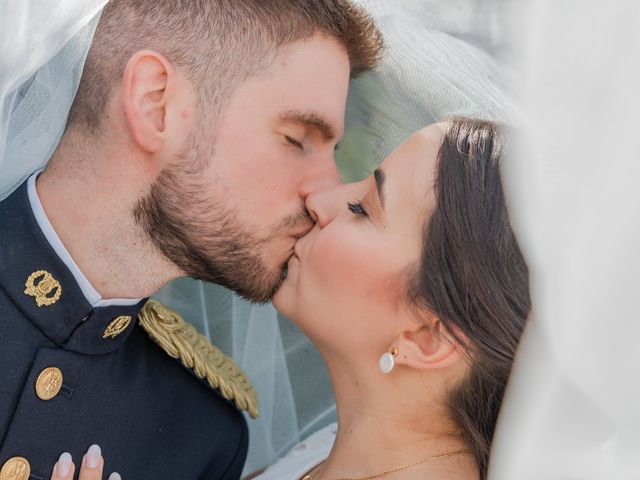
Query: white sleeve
{"type": "Point", "coordinates": [571, 410]}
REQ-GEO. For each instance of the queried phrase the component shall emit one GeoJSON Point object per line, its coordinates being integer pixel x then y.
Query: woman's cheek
{"type": "Point", "coordinates": [344, 267]}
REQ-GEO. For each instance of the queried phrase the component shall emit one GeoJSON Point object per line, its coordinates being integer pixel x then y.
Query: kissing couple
{"type": "Point", "coordinates": [201, 144]}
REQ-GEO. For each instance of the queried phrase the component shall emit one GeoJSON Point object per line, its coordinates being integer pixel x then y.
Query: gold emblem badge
{"type": "Point", "coordinates": [116, 327]}
{"type": "Point", "coordinates": [47, 291]}
{"type": "Point", "coordinates": [49, 383]}
{"type": "Point", "coordinates": [16, 468]}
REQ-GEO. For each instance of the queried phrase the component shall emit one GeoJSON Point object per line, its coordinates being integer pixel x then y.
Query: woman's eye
{"type": "Point", "coordinates": [357, 208]}
{"type": "Point", "coordinates": [294, 142]}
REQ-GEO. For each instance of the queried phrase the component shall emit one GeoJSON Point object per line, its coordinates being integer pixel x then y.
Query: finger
{"type": "Point", "coordinates": [92, 464]}
{"type": "Point", "coordinates": [64, 468]}
{"type": "Point", "coordinates": [115, 476]}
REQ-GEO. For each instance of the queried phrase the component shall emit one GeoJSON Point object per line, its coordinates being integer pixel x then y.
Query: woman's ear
{"type": "Point", "coordinates": [153, 95]}
{"type": "Point", "coordinates": [427, 346]}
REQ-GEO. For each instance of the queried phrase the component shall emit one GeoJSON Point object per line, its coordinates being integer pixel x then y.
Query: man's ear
{"type": "Point", "coordinates": [152, 98]}
{"type": "Point", "coordinates": [427, 346]}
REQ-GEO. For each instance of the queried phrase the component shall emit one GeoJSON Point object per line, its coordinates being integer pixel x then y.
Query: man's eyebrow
{"type": "Point", "coordinates": [310, 119]}
{"type": "Point", "coordinates": [379, 177]}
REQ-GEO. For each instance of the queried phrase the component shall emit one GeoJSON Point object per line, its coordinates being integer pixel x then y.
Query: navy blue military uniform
{"type": "Point", "coordinates": [109, 383]}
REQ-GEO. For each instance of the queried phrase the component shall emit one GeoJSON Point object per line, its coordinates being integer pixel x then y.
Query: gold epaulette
{"type": "Point", "coordinates": [181, 341]}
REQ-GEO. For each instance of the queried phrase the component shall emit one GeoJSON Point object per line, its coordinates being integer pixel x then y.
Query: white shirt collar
{"type": "Point", "coordinates": [91, 294]}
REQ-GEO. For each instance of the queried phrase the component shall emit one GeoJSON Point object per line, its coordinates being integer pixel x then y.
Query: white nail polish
{"type": "Point", "coordinates": [64, 465]}
{"type": "Point", "coordinates": [114, 476]}
{"type": "Point", "coordinates": [93, 456]}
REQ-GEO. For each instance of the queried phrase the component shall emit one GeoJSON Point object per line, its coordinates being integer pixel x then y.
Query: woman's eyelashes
{"type": "Point", "coordinates": [294, 142]}
{"type": "Point", "coordinates": [357, 209]}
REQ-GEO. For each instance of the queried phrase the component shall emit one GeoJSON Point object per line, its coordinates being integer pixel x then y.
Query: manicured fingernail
{"type": "Point", "coordinates": [114, 476]}
{"type": "Point", "coordinates": [63, 468]}
{"type": "Point", "coordinates": [93, 456]}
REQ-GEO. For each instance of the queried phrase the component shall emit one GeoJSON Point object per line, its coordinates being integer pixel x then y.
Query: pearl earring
{"type": "Point", "coordinates": [387, 360]}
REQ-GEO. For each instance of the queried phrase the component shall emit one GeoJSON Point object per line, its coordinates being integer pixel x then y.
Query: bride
{"type": "Point", "coordinates": [413, 288]}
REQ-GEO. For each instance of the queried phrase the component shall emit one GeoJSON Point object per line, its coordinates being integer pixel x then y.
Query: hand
{"type": "Point", "coordinates": [91, 468]}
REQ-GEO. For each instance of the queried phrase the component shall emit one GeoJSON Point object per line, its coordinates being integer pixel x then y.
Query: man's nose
{"type": "Point", "coordinates": [324, 205]}
{"type": "Point", "coordinates": [324, 176]}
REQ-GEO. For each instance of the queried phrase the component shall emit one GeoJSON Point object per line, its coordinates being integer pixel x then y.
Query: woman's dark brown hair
{"type": "Point", "coordinates": [472, 275]}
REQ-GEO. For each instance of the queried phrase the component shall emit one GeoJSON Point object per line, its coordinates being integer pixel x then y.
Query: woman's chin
{"type": "Point", "coordinates": [285, 301]}
{"type": "Point", "coordinates": [283, 298]}
{"type": "Point", "coordinates": [276, 300]}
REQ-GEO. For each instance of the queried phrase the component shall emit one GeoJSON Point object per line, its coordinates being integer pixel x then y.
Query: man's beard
{"type": "Point", "coordinates": [203, 238]}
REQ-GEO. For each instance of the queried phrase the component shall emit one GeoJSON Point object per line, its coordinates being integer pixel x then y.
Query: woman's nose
{"type": "Point", "coordinates": [323, 205]}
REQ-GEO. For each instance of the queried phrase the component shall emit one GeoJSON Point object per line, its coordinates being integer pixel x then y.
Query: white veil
{"type": "Point", "coordinates": [443, 57]}
{"type": "Point", "coordinates": [37, 89]}
{"type": "Point", "coordinates": [571, 409]}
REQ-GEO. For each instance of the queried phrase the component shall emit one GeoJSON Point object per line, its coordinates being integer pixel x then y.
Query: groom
{"type": "Point", "coordinates": [198, 129]}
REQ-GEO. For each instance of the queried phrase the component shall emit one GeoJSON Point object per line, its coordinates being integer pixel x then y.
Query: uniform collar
{"type": "Point", "coordinates": [91, 294]}
{"type": "Point", "coordinates": [31, 272]}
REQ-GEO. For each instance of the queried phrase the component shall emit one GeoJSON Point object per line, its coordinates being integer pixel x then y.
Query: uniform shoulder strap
{"type": "Point", "coordinates": [181, 341]}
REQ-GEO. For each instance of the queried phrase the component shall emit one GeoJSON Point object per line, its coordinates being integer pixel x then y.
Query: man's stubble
{"type": "Point", "coordinates": [202, 236]}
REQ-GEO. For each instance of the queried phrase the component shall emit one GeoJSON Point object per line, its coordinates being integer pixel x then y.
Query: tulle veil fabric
{"type": "Point", "coordinates": [443, 57]}
{"type": "Point", "coordinates": [35, 100]}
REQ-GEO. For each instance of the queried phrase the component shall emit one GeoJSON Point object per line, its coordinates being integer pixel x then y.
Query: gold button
{"type": "Point", "coordinates": [16, 468]}
{"type": "Point", "coordinates": [117, 326]}
{"type": "Point", "coordinates": [48, 384]}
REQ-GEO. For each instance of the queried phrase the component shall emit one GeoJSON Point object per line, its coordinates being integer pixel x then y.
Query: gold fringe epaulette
{"type": "Point", "coordinates": [181, 341]}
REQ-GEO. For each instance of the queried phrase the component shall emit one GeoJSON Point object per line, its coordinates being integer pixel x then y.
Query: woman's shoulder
{"type": "Point", "coordinates": [303, 457]}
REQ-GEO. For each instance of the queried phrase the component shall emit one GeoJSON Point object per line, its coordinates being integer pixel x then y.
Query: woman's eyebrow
{"type": "Point", "coordinates": [379, 177]}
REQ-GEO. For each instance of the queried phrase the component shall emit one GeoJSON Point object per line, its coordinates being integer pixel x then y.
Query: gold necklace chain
{"type": "Point", "coordinates": [310, 475]}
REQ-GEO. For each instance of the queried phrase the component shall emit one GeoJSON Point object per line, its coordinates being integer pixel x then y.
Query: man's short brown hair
{"type": "Point", "coordinates": [217, 44]}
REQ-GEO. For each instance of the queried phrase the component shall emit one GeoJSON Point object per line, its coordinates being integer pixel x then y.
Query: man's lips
{"type": "Point", "coordinates": [302, 230]}
{"type": "Point", "coordinates": [298, 237]}
{"type": "Point", "coordinates": [294, 252]}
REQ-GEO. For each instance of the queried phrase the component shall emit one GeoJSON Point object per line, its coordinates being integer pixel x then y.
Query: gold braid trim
{"type": "Point", "coordinates": [180, 340]}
